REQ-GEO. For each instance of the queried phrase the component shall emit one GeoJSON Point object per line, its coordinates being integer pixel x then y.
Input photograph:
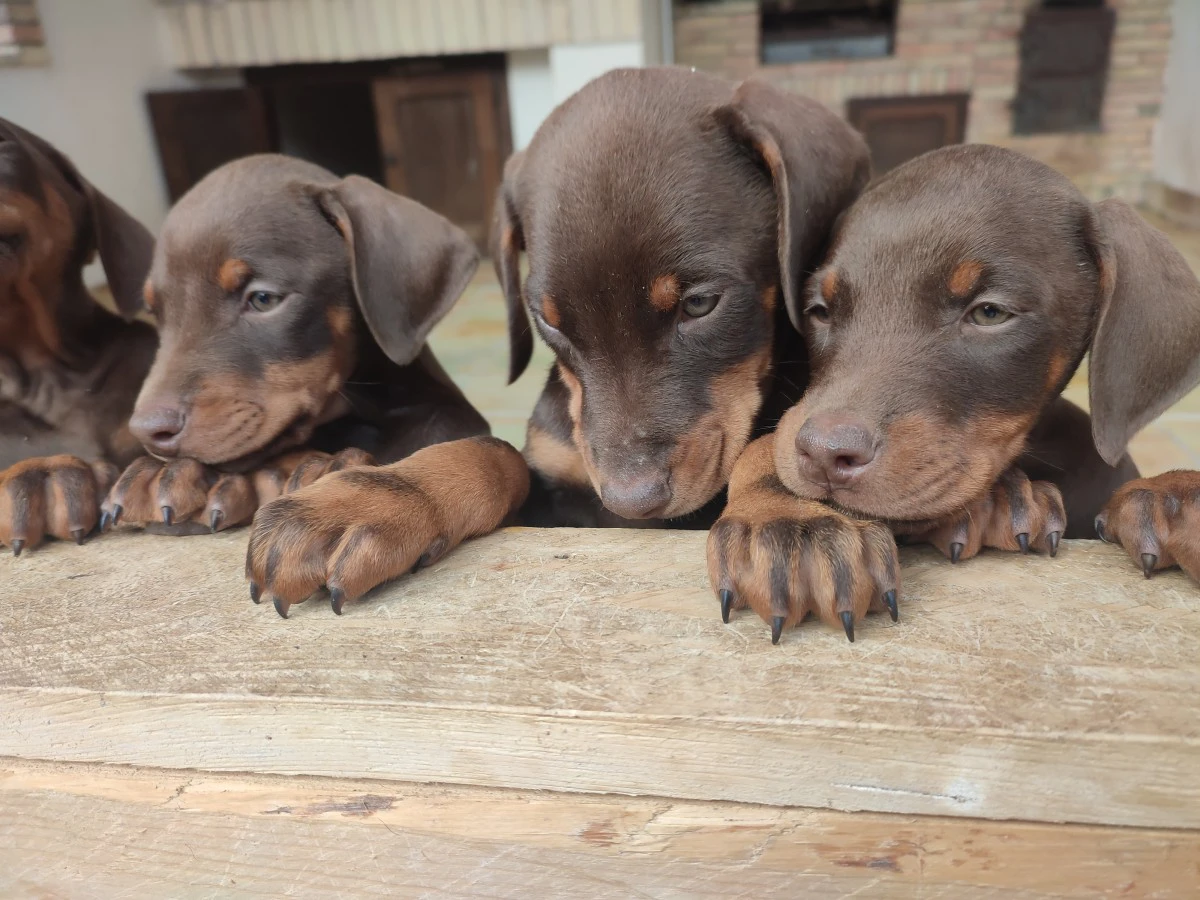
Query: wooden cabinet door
{"type": "Point", "coordinates": [898, 129]}
{"type": "Point", "coordinates": [198, 131]}
{"type": "Point", "coordinates": [443, 144]}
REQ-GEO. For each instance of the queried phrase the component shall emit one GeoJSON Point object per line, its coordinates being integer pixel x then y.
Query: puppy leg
{"type": "Point", "coordinates": [183, 496]}
{"type": "Point", "coordinates": [57, 496]}
{"type": "Point", "coordinates": [786, 558]}
{"type": "Point", "coordinates": [355, 529]}
{"type": "Point", "coordinates": [1157, 521]}
{"type": "Point", "coordinates": [1016, 515]}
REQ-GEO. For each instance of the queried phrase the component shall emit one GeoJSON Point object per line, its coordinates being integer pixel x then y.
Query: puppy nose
{"type": "Point", "coordinates": [834, 448]}
{"type": "Point", "coordinates": [642, 496]}
{"type": "Point", "coordinates": [158, 428]}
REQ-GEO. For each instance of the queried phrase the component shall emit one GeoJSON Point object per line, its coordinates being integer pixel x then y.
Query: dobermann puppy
{"type": "Point", "coordinates": [293, 309]}
{"type": "Point", "coordinates": [960, 294]}
{"type": "Point", "coordinates": [69, 368]}
{"type": "Point", "coordinates": [669, 218]}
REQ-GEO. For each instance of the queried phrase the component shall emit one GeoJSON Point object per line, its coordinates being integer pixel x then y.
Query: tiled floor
{"type": "Point", "coordinates": [473, 346]}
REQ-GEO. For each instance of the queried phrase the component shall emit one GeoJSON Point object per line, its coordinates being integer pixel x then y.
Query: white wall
{"type": "Point", "coordinates": [539, 80]}
{"type": "Point", "coordinates": [1177, 135]}
{"type": "Point", "coordinates": [530, 93]}
{"type": "Point", "coordinates": [89, 102]}
{"type": "Point", "coordinates": [574, 65]}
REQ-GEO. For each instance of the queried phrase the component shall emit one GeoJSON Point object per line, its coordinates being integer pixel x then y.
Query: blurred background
{"type": "Point", "coordinates": [430, 96]}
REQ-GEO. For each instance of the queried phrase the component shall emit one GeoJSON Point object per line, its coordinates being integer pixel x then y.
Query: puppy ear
{"type": "Point", "coordinates": [126, 249]}
{"type": "Point", "coordinates": [507, 242]}
{"type": "Point", "coordinates": [1146, 346]}
{"type": "Point", "coordinates": [408, 264]}
{"type": "Point", "coordinates": [818, 165]}
{"type": "Point", "coordinates": [123, 243]}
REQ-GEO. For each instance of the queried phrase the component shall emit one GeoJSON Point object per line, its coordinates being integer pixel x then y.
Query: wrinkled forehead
{"type": "Point", "coordinates": [930, 230]}
{"type": "Point", "coordinates": [621, 229]}
{"type": "Point", "coordinates": [19, 172]}
{"type": "Point", "coordinates": [274, 236]}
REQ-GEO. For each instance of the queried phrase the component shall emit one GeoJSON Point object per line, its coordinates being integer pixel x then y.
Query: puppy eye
{"type": "Point", "coordinates": [11, 242]}
{"type": "Point", "coordinates": [263, 301]}
{"type": "Point", "coordinates": [699, 305]}
{"type": "Point", "coordinates": [989, 314]}
{"type": "Point", "coordinates": [819, 312]}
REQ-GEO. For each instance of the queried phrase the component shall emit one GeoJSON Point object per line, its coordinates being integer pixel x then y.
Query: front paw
{"type": "Point", "coordinates": [1016, 515]}
{"type": "Point", "coordinates": [180, 496]}
{"type": "Point", "coordinates": [786, 558]}
{"type": "Point", "coordinates": [51, 495]}
{"type": "Point", "coordinates": [355, 529]}
{"type": "Point", "coordinates": [1157, 521]}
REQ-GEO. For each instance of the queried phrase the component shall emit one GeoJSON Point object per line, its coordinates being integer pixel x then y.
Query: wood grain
{"type": "Point", "coordinates": [1012, 688]}
{"type": "Point", "coordinates": [107, 831]}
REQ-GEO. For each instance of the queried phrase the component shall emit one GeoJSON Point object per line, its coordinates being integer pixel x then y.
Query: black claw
{"type": "Point", "coordinates": [1023, 541]}
{"type": "Point", "coordinates": [255, 592]}
{"type": "Point", "coordinates": [215, 520]}
{"type": "Point", "coordinates": [1149, 561]}
{"type": "Point", "coordinates": [848, 624]}
{"type": "Point", "coordinates": [281, 607]}
{"type": "Point", "coordinates": [168, 514]}
{"type": "Point", "coordinates": [1099, 523]}
{"type": "Point", "coordinates": [1052, 539]}
{"type": "Point", "coordinates": [18, 546]}
{"type": "Point", "coordinates": [105, 520]}
{"type": "Point", "coordinates": [956, 552]}
{"type": "Point", "coordinates": [890, 599]}
{"type": "Point", "coordinates": [116, 514]}
{"type": "Point", "coordinates": [78, 534]}
{"type": "Point", "coordinates": [726, 605]}
{"type": "Point", "coordinates": [776, 629]}
{"type": "Point", "coordinates": [336, 599]}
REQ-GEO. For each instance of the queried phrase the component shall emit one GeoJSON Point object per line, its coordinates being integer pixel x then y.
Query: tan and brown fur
{"type": "Point", "coordinates": [663, 213]}
{"type": "Point", "coordinates": [328, 372]}
{"type": "Point", "coordinates": [69, 367]}
{"type": "Point", "coordinates": [959, 295]}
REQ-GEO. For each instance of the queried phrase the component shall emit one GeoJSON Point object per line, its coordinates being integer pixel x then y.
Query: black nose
{"type": "Point", "coordinates": [834, 448]}
{"type": "Point", "coordinates": [640, 496]}
{"type": "Point", "coordinates": [158, 428]}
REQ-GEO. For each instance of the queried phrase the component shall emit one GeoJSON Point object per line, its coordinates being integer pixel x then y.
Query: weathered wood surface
{"type": "Point", "coordinates": [1012, 688]}
{"type": "Point", "coordinates": [107, 831]}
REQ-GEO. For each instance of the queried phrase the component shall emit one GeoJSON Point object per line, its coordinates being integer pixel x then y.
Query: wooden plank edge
{"type": "Point", "coordinates": [1040, 778]}
{"type": "Point", "coordinates": [145, 830]}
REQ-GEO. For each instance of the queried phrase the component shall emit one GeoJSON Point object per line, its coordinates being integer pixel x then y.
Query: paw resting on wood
{"type": "Point", "coordinates": [1016, 515]}
{"type": "Point", "coordinates": [360, 527]}
{"type": "Point", "coordinates": [787, 558]}
{"type": "Point", "coordinates": [1157, 521]}
{"type": "Point", "coordinates": [182, 496]}
{"type": "Point", "coordinates": [56, 496]}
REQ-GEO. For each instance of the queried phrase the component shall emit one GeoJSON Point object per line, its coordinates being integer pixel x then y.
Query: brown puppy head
{"type": "Point", "coordinates": [52, 222]}
{"type": "Point", "coordinates": [663, 213]}
{"type": "Point", "coordinates": [269, 279]}
{"type": "Point", "coordinates": [959, 295]}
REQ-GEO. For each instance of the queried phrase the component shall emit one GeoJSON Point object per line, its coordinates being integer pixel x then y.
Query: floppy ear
{"type": "Point", "coordinates": [408, 264]}
{"type": "Point", "coordinates": [124, 244]}
{"type": "Point", "coordinates": [507, 242]}
{"type": "Point", "coordinates": [818, 165]}
{"type": "Point", "coordinates": [1146, 346]}
{"type": "Point", "coordinates": [126, 249]}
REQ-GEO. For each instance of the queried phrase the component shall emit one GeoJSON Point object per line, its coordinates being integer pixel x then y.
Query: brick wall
{"type": "Point", "coordinates": [950, 46]}
{"type": "Point", "coordinates": [21, 40]}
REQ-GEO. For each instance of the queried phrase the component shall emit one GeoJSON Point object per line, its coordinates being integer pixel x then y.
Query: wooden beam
{"type": "Point", "coordinates": [154, 833]}
{"type": "Point", "coordinates": [595, 661]}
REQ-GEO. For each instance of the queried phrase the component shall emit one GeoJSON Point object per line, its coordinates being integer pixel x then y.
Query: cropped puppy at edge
{"type": "Point", "coordinates": [69, 368]}
{"type": "Point", "coordinates": [960, 294]}
{"type": "Point", "coordinates": [292, 309]}
{"type": "Point", "coordinates": [669, 218]}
